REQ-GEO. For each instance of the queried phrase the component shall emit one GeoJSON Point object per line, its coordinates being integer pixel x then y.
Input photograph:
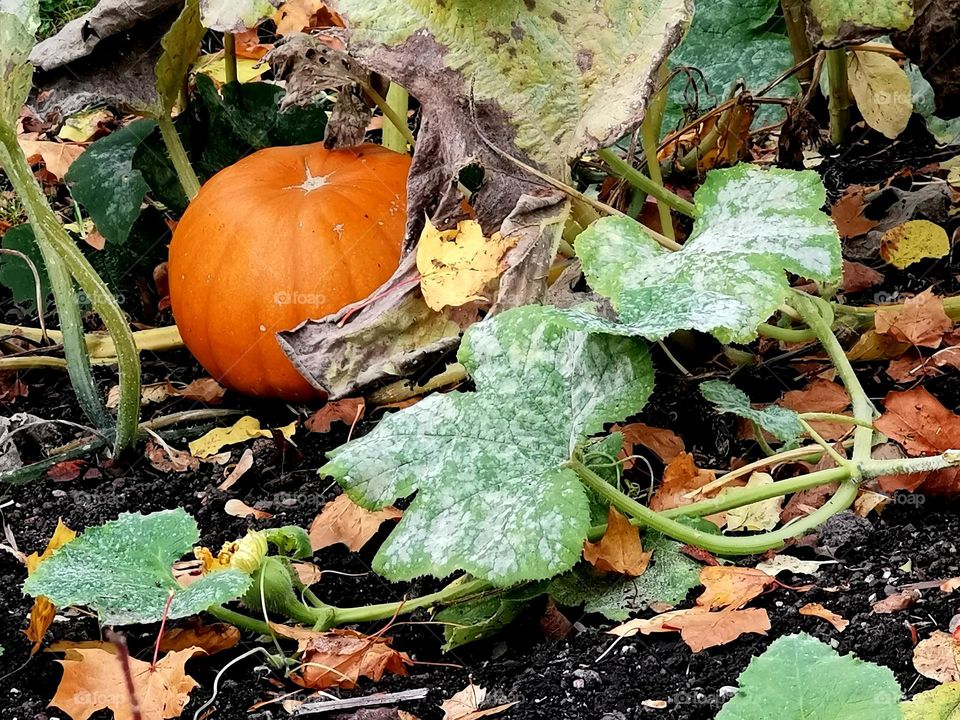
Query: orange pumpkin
{"type": "Point", "coordinates": [284, 235]}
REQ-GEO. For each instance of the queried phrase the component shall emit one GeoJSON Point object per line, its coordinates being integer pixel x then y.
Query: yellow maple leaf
{"type": "Point", "coordinates": [43, 611]}
{"type": "Point", "coordinates": [456, 265]}
{"type": "Point", "coordinates": [912, 242]}
{"type": "Point", "coordinates": [244, 429]}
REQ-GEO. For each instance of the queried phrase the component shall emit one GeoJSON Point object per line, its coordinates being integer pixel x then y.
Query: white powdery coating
{"type": "Point", "coordinates": [754, 226]}
{"type": "Point", "coordinates": [492, 497]}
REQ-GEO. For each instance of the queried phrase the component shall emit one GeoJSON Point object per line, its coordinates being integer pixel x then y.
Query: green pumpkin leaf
{"type": "Point", "coordinates": [753, 227]}
{"type": "Point", "coordinates": [474, 620]}
{"type": "Point", "coordinates": [123, 571]}
{"type": "Point", "coordinates": [728, 41]}
{"type": "Point", "coordinates": [833, 23]}
{"type": "Point", "coordinates": [16, 275]}
{"type": "Point", "coordinates": [180, 45]}
{"type": "Point", "coordinates": [946, 132]}
{"type": "Point", "coordinates": [19, 20]}
{"type": "Point", "coordinates": [235, 16]}
{"type": "Point", "coordinates": [801, 678]}
{"type": "Point", "coordinates": [941, 703]}
{"type": "Point", "coordinates": [104, 181]}
{"type": "Point", "coordinates": [783, 423]}
{"type": "Point", "coordinates": [492, 494]}
{"type": "Point", "coordinates": [669, 578]}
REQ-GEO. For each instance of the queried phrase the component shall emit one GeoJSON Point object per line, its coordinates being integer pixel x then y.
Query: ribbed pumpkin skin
{"type": "Point", "coordinates": [284, 235]}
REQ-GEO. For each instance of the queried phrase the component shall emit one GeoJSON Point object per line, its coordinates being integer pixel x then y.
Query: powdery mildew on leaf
{"type": "Point", "coordinates": [492, 497]}
{"type": "Point", "coordinates": [833, 23]}
{"type": "Point", "coordinates": [800, 677]}
{"type": "Point", "coordinates": [780, 422]}
{"type": "Point", "coordinates": [123, 570]}
{"type": "Point", "coordinates": [753, 227]}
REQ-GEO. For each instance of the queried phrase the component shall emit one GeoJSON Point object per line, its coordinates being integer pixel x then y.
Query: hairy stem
{"type": "Point", "coordinates": [839, 95]}
{"type": "Point", "coordinates": [398, 99]}
{"type": "Point", "coordinates": [230, 57]}
{"type": "Point", "coordinates": [399, 123]}
{"type": "Point", "coordinates": [641, 182]}
{"type": "Point", "coordinates": [650, 135]}
{"type": "Point", "coordinates": [455, 591]}
{"type": "Point", "coordinates": [796, 23]}
{"type": "Point", "coordinates": [178, 156]}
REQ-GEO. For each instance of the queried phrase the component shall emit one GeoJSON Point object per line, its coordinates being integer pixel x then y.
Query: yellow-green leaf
{"type": "Point", "coordinates": [912, 242]}
{"type": "Point", "coordinates": [838, 22]}
{"type": "Point", "coordinates": [456, 265]}
{"type": "Point", "coordinates": [882, 91]}
{"type": "Point", "coordinates": [941, 703]}
{"type": "Point", "coordinates": [244, 429]}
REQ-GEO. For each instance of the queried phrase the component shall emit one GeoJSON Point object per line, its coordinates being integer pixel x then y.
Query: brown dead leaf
{"type": "Point", "coordinates": [699, 627]}
{"type": "Point", "coordinates": [680, 477]}
{"type": "Point", "coordinates": [249, 46]}
{"type": "Point", "coordinates": [466, 704]}
{"type": "Point", "coordinates": [948, 586]}
{"type": "Point", "coordinates": [818, 610]}
{"type": "Point", "coordinates": [238, 471]}
{"type": "Point", "coordinates": [209, 638]}
{"type": "Point", "coordinates": [308, 573]}
{"type": "Point", "coordinates": [920, 321]}
{"type": "Point", "coordinates": [805, 502]}
{"type": "Point", "coordinates": [297, 15]}
{"type": "Point", "coordinates": [847, 213]}
{"type": "Point", "coordinates": [898, 602]}
{"type": "Point", "coordinates": [858, 277]}
{"type": "Point", "coordinates": [820, 396]}
{"type": "Point", "coordinates": [619, 550]}
{"type": "Point", "coordinates": [348, 411]}
{"type": "Point", "coordinates": [169, 459]}
{"type": "Point", "coordinates": [237, 508]}
{"type": "Point", "coordinates": [93, 679]}
{"type": "Point", "coordinates": [43, 611]}
{"type": "Point", "coordinates": [150, 393]}
{"type": "Point", "coordinates": [66, 470]}
{"type": "Point", "coordinates": [869, 501]}
{"type": "Point", "coordinates": [343, 521]}
{"type": "Point", "coordinates": [205, 390]}
{"type": "Point", "coordinates": [938, 657]}
{"type": "Point", "coordinates": [339, 658]}
{"type": "Point", "coordinates": [57, 157]}
{"type": "Point", "coordinates": [729, 586]}
{"type": "Point", "coordinates": [923, 426]}
{"type": "Point", "coordinates": [665, 444]}
{"type": "Point", "coordinates": [871, 345]}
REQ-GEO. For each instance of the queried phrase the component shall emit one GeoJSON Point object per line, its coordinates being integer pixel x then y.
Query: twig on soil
{"type": "Point", "coordinates": [362, 702]}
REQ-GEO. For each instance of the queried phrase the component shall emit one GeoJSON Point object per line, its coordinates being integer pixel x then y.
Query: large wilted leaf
{"type": "Point", "coordinates": [753, 227]}
{"type": "Point", "coordinates": [234, 16]}
{"type": "Point", "coordinates": [834, 23]}
{"type": "Point", "coordinates": [123, 571]}
{"type": "Point", "coordinates": [19, 20]}
{"type": "Point", "coordinates": [545, 80]}
{"type": "Point", "coordinates": [801, 678]}
{"type": "Point", "coordinates": [492, 494]}
{"type": "Point", "coordinates": [729, 41]}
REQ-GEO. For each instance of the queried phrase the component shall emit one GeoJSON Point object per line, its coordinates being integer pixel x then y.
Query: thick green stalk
{"type": "Point", "coordinates": [839, 95]}
{"type": "Point", "coordinates": [399, 123]}
{"type": "Point", "coordinates": [796, 23]}
{"type": "Point", "coordinates": [54, 239]}
{"type": "Point", "coordinates": [230, 57]}
{"type": "Point", "coordinates": [650, 136]}
{"type": "Point", "coordinates": [244, 622]}
{"type": "Point", "coordinates": [74, 342]}
{"type": "Point", "coordinates": [788, 335]}
{"type": "Point", "coordinates": [178, 156]}
{"type": "Point", "coordinates": [641, 182]}
{"type": "Point", "coordinates": [457, 590]}
{"type": "Point", "coordinates": [398, 100]}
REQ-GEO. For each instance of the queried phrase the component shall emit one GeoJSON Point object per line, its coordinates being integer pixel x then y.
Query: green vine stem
{"type": "Point", "coordinates": [178, 156]}
{"type": "Point", "coordinates": [641, 182]}
{"type": "Point", "coordinates": [839, 94]}
{"type": "Point", "coordinates": [230, 57]}
{"type": "Point", "coordinates": [72, 337]}
{"type": "Point", "coordinates": [787, 335]}
{"type": "Point", "coordinates": [399, 123]}
{"type": "Point", "coordinates": [53, 239]}
{"type": "Point", "coordinates": [244, 622]}
{"type": "Point", "coordinates": [650, 136]}
{"type": "Point", "coordinates": [951, 306]}
{"type": "Point", "coordinates": [398, 100]}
